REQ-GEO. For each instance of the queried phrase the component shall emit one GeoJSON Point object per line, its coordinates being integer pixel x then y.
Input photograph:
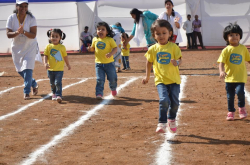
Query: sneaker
{"type": "Point", "coordinates": [242, 113]}
{"type": "Point", "coordinates": [59, 99]}
{"type": "Point", "coordinates": [123, 68]}
{"type": "Point", "coordinates": [26, 96]}
{"type": "Point", "coordinates": [172, 126]}
{"type": "Point", "coordinates": [161, 128]}
{"type": "Point", "coordinates": [128, 69]}
{"type": "Point", "coordinates": [230, 116]}
{"type": "Point", "coordinates": [113, 93]}
{"type": "Point", "coordinates": [35, 90]}
{"type": "Point", "coordinates": [54, 97]}
{"type": "Point", "coordinates": [118, 70]}
{"type": "Point", "coordinates": [99, 97]}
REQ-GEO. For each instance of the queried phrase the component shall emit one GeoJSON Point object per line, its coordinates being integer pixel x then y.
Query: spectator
{"type": "Point", "coordinates": [189, 31]}
{"type": "Point", "coordinates": [86, 37]}
{"type": "Point", "coordinates": [197, 32]}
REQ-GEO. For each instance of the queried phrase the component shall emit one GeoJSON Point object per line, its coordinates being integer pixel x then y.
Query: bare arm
{"type": "Point", "coordinates": [148, 71]}
{"type": "Point", "coordinates": [32, 33]}
{"type": "Point", "coordinates": [66, 59]}
{"type": "Point", "coordinates": [111, 53]}
{"type": "Point", "coordinates": [11, 34]}
{"type": "Point", "coordinates": [176, 62]}
{"type": "Point", "coordinates": [223, 74]}
{"type": "Point", "coordinates": [127, 41]}
{"type": "Point", "coordinates": [45, 62]}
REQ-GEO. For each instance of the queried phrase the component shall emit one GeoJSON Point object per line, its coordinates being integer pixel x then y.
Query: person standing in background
{"type": "Point", "coordinates": [197, 32]}
{"type": "Point", "coordinates": [188, 26]}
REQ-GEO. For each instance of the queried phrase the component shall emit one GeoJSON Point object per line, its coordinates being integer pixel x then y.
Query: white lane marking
{"type": "Point", "coordinates": [70, 129]}
{"type": "Point", "coordinates": [164, 156]}
{"type": "Point", "coordinates": [36, 102]}
{"type": "Point", "coordinates": [6, 90]}
{"type": "Point", "coordinates": [247, 94]}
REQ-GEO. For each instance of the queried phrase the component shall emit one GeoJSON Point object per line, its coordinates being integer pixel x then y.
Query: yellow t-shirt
{"type": "Point", "coordinates": [56, 54]}
{"type": "Point", "coordinates": [161, 55]}
{"type": "Point", "coordinates": [124, 51]}
{"type": "Point", "coordinates": [103, 47]}
{"type": "Point", "coordinates": [234, 59]}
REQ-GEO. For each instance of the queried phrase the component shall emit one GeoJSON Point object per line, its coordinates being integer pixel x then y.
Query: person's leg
{"type": "Point", "coordinates": [123, 62]}
{"type": "Point", "coordinates": [164, 102]}
{"type": "Point", "coordinates": [127, 62]}
{"type": "Point", "coordinates": [58, 82]}
{"type": "Point", "coordinates": [241, 94]}
{"type": "Point", "coordinates": [188, 39]}
{"type": "Point", "coordinates": [51, 77]}
{"type": "Point", "coordinates": [200, 39]}
{"type": "Point", "coordinates": [111, 76]}
{"type": "Point", "coordinates": [27, 76]}
{"type": "Point", "coordinates": [100, 78]}
{"type": "Point", "coordinates": [192, 37]}
{"type": "Point", "coordinates": [195, 39]}
{"type": "Point", "coordinates": [230, 87]}
{"type": "Point", "coordinates": [174, 92]}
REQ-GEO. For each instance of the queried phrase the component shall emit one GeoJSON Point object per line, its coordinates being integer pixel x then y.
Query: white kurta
{"type": "Point", "coordinates": [24, 49]}
{"type": "Point", "coordinates": [177, 32]}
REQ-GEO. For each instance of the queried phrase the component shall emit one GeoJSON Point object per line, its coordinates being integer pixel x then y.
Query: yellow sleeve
{"type": "Point", "coordinates": [46, 51]}
{"type": "Point", "coordinates": [247, 57]}
{"type": "Point", "coordinates": [93, 42]}
{"type": "Point", "coordinates": [64, 52]}
{"type": "Point", "coordinates": [222, 57]}
{"type": "Point", "coordinates": [150, 54]}
{"type": "Point", "coordinates": [112, 43]}
{"type": "Point", "coordinates": [177, 52]}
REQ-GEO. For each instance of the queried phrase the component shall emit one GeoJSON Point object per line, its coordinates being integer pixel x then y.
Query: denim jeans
{"type": "Point", "coordinates": [101, 71]}
{"type": "Point", "coordinates": [55, 78]}
{"type": "Point", "coordinates": [231, 89]}
{"type": "Point", "coordinates": [169, 100]}
{"type": "Point", "coordinates": [28, 80]}
{"type": "Point", "coordinates": [125, 61]}
{"type": "Point", "coordinates": [190, 38]}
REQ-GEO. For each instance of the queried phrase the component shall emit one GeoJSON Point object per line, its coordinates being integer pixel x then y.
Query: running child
{"type": "Point", "coordinates": [125, 54]}
{"type": "Point", "coordinates": [104, 47]}
{"type": "Point", "coordinates": [233, 69]}
{"type": "Point", "coordinates": [165, 57]}
{"type": "Point", "coordinates": [55, 56]}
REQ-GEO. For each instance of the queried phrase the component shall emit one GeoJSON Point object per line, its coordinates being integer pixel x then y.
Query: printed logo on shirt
{"type": "Point", "coordinates": [101, 45]}
{"type": "Point", "coordinates": [163, 57]}
{"type": "Point", "coordinates": [56, 54]}
{"type": "Point", "coordinates": [235, 59]}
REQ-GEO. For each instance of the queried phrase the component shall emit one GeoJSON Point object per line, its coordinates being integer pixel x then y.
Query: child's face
{"type": "Point", "coordinates": [55, 38]}
{"type": "Point", "coordinates": [162, 34]}
{"type": "Point", "coordinates": [123, 39]}
{"type": "Point", "coordinates": [102, 31]}
{"type": "Point", "coordinates": [233, 39]}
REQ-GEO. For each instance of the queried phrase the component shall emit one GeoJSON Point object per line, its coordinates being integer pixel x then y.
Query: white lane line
{"type": "Point", "coordinates": [36, 102]}
{"type": "Point", "coordinates": [247, 94]}
{"type": "Point", "coordinates": [164, 156]}
{"type": "Point", "coordinates": [70, 129]}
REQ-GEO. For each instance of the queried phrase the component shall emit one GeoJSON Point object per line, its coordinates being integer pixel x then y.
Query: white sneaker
{"type": "Point", "coordinates": [172, 126]}
{"type": "Point", "coordinates": [54, 97]}
{"type": "Point", "coordinates": [59, 99]}
{"type": "Point", "coordinates": [161, 128]}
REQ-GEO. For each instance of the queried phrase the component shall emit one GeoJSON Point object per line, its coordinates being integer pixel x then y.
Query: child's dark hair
{"type": "Point", "coordinates": [110, 33]}
{"type": "Point", "coordinates": [59, 31]}
{"type": "Point", "coordinates": [118, 24]}
{"type": "Point", "coordinates": [126, 35]}
{"type": "Point", "coordinates": [173, 13]}
{"type": "Point", "coordinates": [161, 23]}
{"type": "Point", "coordinates": [137, 14]}
{"type": "Point", "coordinates": [232, 28]}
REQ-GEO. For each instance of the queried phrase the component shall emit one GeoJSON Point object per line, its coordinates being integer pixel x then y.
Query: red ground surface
{"type": "Point", "coordinates": [122, 132]}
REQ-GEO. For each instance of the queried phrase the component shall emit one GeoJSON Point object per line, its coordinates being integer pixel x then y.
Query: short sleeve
{"type": "Point", "coordinates": [222, 57]}
{"type": "Point", "coordinates": [9, 22]}
{"type": "Point", "coordinates": [93, 42]}
{"type": "Point", "coordinates": [133, 31]}
{"type": "Point", "coordinates": [112, 43]}
{"type": "Point", "coordinates": [247, 57]}
{"type": "Point", "coordinates": [64, 52]}
{"type": "Point", "coordinates": [177, 52]}
{"type": "Point", "coordinates": [33, 21]}
{"type": "Point", "coordinates": [150, 15]}
{"type": "Point", "coordinates": [46, 50]}
{"type": "Point", "coordinates": [149, 55]}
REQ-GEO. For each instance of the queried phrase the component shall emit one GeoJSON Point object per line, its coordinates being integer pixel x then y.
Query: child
{"type": "Point", "coordinates": [54, 56]}
{"type": "Point", "coordinates": [233, 69]}
{"type": "Point", "coordinates": [125, 54]}
{"type": "Point", "coordinates": [117, 55]}
{"type": "Point", "coordinates": [105, 47]}
{"type": "Point", "coordinates": [165, 57]}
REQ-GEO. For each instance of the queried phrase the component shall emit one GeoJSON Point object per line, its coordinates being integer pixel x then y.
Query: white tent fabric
{"type": "Point", "coordinates": [72, 17]}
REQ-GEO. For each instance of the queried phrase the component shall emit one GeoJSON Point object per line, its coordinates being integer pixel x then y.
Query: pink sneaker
{"type": "Point", "coordinates": [230, 116]}
{"type": "Point", "coordinates": [114, 93]}
{"type": "Point", "coordinates": [54, 97]}
{"type": "Point", "coordinates": [99, 97]}
{"type": "Point", "coordinates": [242, 113]}
{"type": "Point", "coordinates": [161, 128]}
{"type": "Point", "coordinates": [59, 99]}
{"type": "Point", "coordinates": [172, 126]}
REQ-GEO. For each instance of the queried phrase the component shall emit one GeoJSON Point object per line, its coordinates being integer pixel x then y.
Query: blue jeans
{"type": "Point", "coordinates": [101, 71]}
{"type": "Point", "coordinates": [28, 80]}
{"type": "Point", "coordinates": [55, 78]}
{"type": "Point", "coordinates": [233, 88]}
{"type": "Point", "coordinates": [169, 100]}
{"type": "Point", "coordinates": [125, 62]}
{"type": "Point", "coordinates": [190, 38]}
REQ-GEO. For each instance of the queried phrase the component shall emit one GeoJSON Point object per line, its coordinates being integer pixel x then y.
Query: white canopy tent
{"type": "Point", "coordinates": [72, 17]}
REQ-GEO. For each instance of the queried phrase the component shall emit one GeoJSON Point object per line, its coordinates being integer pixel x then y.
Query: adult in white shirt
{"type": "Point", "coordinates": [188, 26]}
{"type": "Point", "coordinates": [22, 28]}
{"type": "Point", "coordinates": [174, 18]}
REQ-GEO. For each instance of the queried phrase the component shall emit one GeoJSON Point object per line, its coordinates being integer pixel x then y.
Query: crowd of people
{"type": "Point", "coordinates": [111, 46]}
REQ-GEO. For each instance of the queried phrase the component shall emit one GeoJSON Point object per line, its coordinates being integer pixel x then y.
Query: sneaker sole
{"type": "Point", "coordinates": [160, 131]}
{"type": "Point", "coordinates": [171, 130]}
{"type": "Point", "coordinates": [99, 98]}
{"type": "Point", "coordinates": [59, 100]}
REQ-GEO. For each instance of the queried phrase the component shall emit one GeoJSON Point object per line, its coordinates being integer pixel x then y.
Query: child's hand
{"type": "Point", "coordinates": [69, 67]}
{"type": "Point", "coordinates": [47, 66]}
{"type": "Point", "coordinates": [145, 80]}
{"type": "Point", "coordinates": [108, 55]}
{"type": "Point", "coordinates": [223, 75]}
{"type": "Point", "coordinates": [176, 19]}
{"type": "Point", "coordinates": [174, 62]}
{"type": "Point", "coordinates": [90, 49]}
